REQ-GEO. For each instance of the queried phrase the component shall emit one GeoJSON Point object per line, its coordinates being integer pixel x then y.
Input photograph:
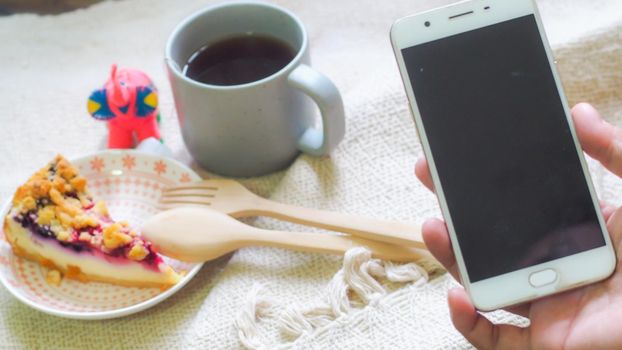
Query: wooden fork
{"type": "Point", "coordinates": [230, 197]}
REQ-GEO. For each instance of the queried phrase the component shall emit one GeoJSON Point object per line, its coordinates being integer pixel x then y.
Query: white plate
{"type": "Point", "coordinates": [130, 183]}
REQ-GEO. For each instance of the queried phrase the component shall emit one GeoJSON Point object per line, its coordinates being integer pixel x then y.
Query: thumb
{"type": "Point", "coordinates": [479, 331]}
{"type": "Point", "coordinates": [599, 139]}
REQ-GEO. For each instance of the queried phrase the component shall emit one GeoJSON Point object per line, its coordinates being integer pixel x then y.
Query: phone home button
{"type": "Point", "coordinates": [542, 278]}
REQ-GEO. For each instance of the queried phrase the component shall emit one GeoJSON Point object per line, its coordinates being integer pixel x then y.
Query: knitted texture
{"type": "Point", "coordinates": [49, 64]}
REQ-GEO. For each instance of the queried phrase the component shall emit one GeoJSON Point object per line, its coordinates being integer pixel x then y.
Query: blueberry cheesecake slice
{"type": "Point", "coordinates": [55, 221]}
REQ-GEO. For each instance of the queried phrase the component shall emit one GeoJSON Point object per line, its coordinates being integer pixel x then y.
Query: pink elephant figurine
{"type": "Point", "coordinates": [129, 103]}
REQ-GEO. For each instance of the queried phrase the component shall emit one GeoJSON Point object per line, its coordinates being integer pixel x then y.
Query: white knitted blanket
{"type": "Point", "coordinates": [49, 65]}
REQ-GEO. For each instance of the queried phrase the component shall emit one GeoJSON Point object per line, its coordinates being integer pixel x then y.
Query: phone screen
{"type": "Point", "coordinates": [503, 149]}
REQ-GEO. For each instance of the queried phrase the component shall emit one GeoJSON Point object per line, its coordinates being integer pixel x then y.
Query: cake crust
{"type": "Point", "coordinates": [75, 273]}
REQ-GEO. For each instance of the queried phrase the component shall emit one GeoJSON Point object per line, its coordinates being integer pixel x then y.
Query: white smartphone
{"type": "Point", "coordinates": [507, 167]}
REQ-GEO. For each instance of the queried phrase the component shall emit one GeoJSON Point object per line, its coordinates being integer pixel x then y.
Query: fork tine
{"type": "Point", "coordinates": [182, 202]}
{"type": "Point", "coordinates": [162, 207]}
{"type": "Point", "coordinates": [185, 199]}
{"type": "Point", "coordinates": [190, 186]}
{"type": "Point", "coordinates": [188, 192]}
{"type": "Point", "coordinates": [172, 205]}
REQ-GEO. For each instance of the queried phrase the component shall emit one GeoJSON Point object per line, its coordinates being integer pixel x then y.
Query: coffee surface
{"type": "Point", "coordinates": [238, 60]}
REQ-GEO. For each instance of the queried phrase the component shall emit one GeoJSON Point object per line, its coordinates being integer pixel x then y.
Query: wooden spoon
{"type": "Point", "coordinates": [196, 234]}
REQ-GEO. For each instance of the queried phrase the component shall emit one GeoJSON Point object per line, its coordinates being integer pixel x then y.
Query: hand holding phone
{"type": "Point", "coordinates": [511, 180]}
{"type": "Point", "coordinates": [587, 317]}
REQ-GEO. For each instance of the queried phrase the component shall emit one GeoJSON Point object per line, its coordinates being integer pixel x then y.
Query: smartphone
{"type": "Point", "coordinates": [508, 170]}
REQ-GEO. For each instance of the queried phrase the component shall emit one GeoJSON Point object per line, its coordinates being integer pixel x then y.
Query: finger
{"type": "Point", "coordinates": [522, 310]}
{"type": "Point", "coordinates": [607, 209]}
{"type": "Point", "coordinates": [601, 140]}
{"type": "Point", "coordinates": [478, 330]}
{"type": "Point", "coordinates": [614, 226]}
{"type": "Point", "coordinates": [423, 173]}
{"type": "Point", "coordinates": [436, 238]}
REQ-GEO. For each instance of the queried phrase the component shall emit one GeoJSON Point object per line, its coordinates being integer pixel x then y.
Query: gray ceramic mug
{"type": "Point", "coordinates": [259, 127]}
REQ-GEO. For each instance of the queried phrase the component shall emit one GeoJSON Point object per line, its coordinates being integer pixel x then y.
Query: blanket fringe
{"type": "Point", "coordinates": [361, 280]}
{"type": "Point", "coordinates": [256, 307]}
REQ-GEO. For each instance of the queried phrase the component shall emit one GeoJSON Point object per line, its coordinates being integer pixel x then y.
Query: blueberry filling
{"type": "Point", "coordinates": [76, 246]}
{"type": "Point", "coordinates": [151, 258]}
{"type": "Point", "coordinates": [29, 221]}
{"type": "Point", "coordinates": [45, 231]}
{"type": "Point", "coordinates": [25, 219]}
{"type": "Point", "coordinates": [72, 195]}
{"type": "Point", "coordinates": [52, 171]}
{"type": "Point", "coordinates": [42, 202]}
{"type": "Point", "coordinates": [117, 252]}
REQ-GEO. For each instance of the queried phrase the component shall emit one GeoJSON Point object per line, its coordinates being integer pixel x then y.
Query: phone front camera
{"type": "Point", "coordinates": [426, 23]}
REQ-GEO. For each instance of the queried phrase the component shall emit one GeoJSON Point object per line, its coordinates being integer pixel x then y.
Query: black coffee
{"type": "Point", "coordinates": [238, 60]}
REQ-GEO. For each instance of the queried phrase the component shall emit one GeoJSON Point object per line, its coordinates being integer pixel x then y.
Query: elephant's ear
{"type": "Point", "coordinates": [146, 101]}
{"type": "Point", "coordinates": [98, 105]}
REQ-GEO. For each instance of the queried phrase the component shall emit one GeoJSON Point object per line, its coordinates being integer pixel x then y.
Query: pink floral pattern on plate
{"type": "Point", "coordinates": [130, 183]}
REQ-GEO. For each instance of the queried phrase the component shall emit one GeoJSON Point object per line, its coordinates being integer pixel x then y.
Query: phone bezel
{"type": "Point", "coordinates": [511, 288]}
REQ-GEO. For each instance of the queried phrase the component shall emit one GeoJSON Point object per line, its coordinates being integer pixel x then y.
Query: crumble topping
{"type": "Point", "coordinates": [53, 277]}
{"type": "Point", "coordinates": [84, 237]}
{"type": "Point", "coordinates": [114, 237]}
{"type": "Point", "coordinates": [101, 209]}
{"type": "Point", "coordinates": [138, 252]}
{"type": "Point", "coordinates": [56, 203]}
{"type": "Point", "coordinates": [29, 203]}
{"type": "Point", "coordinates": [46, 215]}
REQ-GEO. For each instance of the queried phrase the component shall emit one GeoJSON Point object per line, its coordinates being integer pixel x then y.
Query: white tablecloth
{"type": "Point", "coordinates": [50, 64]}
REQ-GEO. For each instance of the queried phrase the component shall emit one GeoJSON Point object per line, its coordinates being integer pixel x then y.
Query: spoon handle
{"type": "Point", "coordinates": [399, 233]}
{"type": "Point", "coordinates": [333, 244]}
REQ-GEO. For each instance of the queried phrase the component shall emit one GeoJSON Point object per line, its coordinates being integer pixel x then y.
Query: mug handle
{"type": "Point", "coordinates": [325, 94]}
